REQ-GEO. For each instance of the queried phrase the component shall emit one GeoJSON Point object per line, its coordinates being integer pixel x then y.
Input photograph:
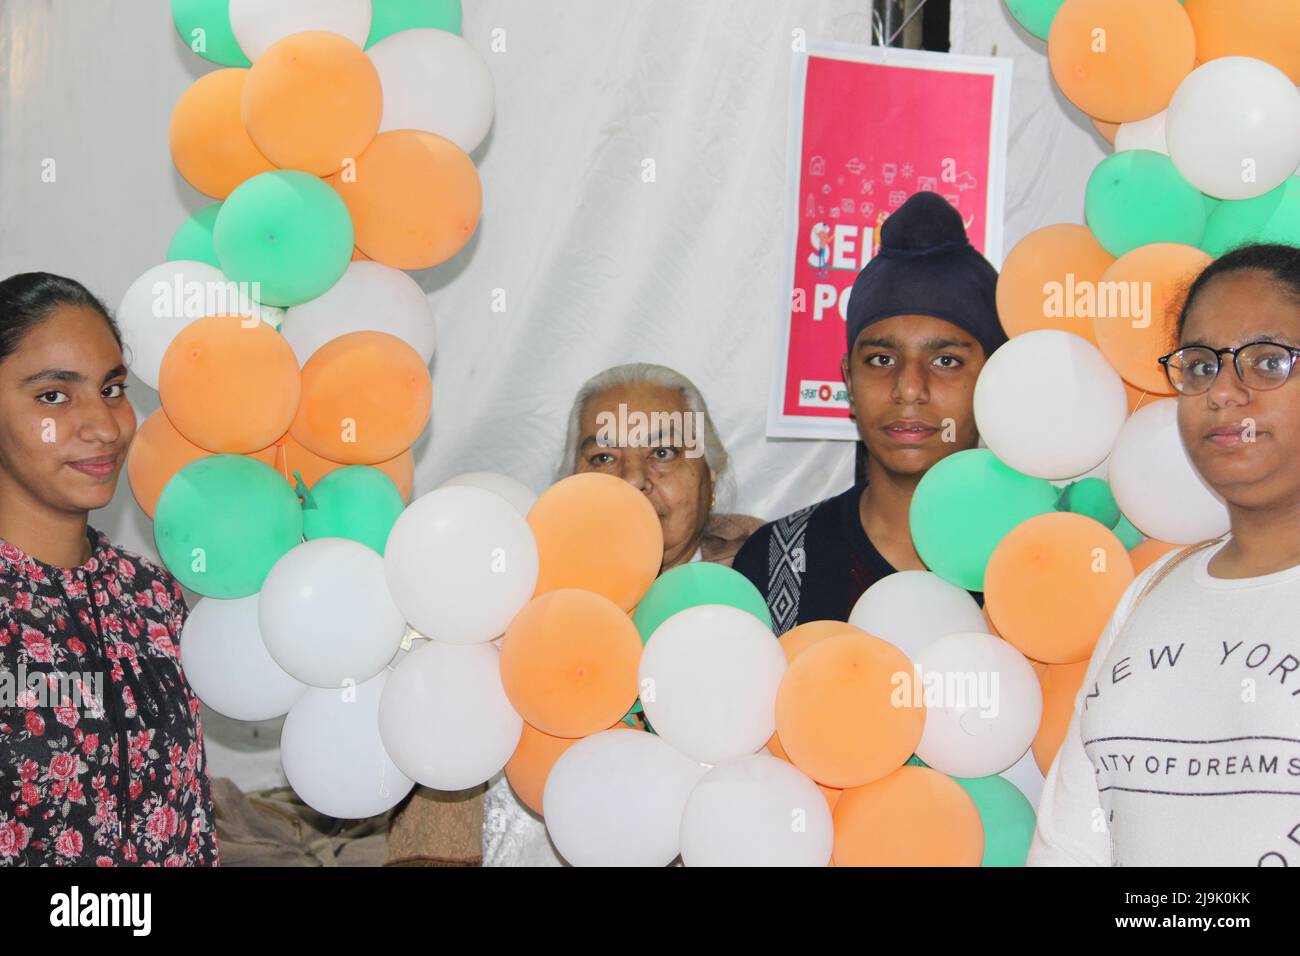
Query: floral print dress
{"type": "Point", "coordinates": [101, 747]}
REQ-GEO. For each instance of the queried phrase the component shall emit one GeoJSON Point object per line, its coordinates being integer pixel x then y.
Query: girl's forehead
{"type": "Point", "coordinates": [1244, 299]}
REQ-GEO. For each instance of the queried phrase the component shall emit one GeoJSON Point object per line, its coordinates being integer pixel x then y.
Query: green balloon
{"type": "Point", "coordinates": [357, 502]}
{"type": "Point", "coordinates": [1036, 16]}
{"type": "Point", "coordinates": [693, 584]}
{"type": "Point", "coordinates": [288, 231]}
{"type": "Point", "coordinates": [1008, 819]}
{"type": "Point", "coordinates": [390, 16]}
{"type": "Point", "coordinates": [193, 240]}
{"type": "Point", "coordinates": [1137, 196]}
{"type": "Point", "coordinates": [222, 521]}
{"type": "Point", "coordinates": [962, 508]}
{"type": "Point", "coordinates": [1272, 217]}
{"type": "Point", "coordinates": [1128, 535]}
{"type": "Point", "coordinates": [204, 26]}
{"type": "Point", "coordinates": [1091, 497]}
{"type": "Point", "coordinates": [1211, 203]}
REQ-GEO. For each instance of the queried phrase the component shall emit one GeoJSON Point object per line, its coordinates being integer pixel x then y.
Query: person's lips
{"type": "Point", "coordinates": [96, 467]}
{"type": "Point", "coordinates": [909, 431]}
{"type": "Point", "coordinates": [1230, 435]}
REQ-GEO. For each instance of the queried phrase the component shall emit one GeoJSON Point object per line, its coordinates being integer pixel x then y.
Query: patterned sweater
{"type": "Point", "coordinates": [90, 683]}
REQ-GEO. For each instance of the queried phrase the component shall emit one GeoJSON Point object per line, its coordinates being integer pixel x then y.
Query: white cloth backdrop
{"type": "Point", "coordinates": [597, 266]}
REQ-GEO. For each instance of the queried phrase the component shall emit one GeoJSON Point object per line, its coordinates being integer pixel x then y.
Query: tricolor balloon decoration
{"type": "Point", "coordinates": [476, 628]}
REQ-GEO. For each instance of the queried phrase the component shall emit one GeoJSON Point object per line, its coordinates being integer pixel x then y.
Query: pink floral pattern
{"type": "Point", "coordinates": [63, 800]}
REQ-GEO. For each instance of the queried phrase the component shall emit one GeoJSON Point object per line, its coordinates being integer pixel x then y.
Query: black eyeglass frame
{"type": "Point", "coordinates": [1292, 350]}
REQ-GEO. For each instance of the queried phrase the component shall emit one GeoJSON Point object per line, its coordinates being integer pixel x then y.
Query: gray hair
{"type": "Point", "coordinates": [644, 373]}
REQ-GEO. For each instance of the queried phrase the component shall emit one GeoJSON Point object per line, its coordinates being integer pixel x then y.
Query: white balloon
{"type": "Point", "coordinates": [325, 613]}
{"type": "Point", "coordinates": [258, 24]}
{"type": "Point", "coordinates": [983, 704]}
{"type": "Point", "coordinates": [1155, 484]}
{"type": "Point", "coordinates": [1049, 404]}
{"type": "Point", "coordinates": [461, 563]}
{"type": "Point", "coordinates": [445, 719]}
{"type": "Point", "coordinates": [333, 756]}
{"type": "Point", "coordinates": [433, 80]}
{"type": "Point", "coordinates": [616, 799]}
{"type": "Point", "coordinates": [515, 492]}
{"type": "Point", "coordinates": [227, 664]}
{"type": "Point", "coordinates": [1234, 127]}
{"type": "Point", "coordinates": [756, 811]}
{"type": "Point", "coordinates": [708, 677]}
{"type": "Point", "coordinates": [169, 297]}
{"type": "Point", "coordinates": [1146, 133]}
{"type": "Point", "coordinates": [912, 609]}
{"type": "Point", "coordinates": [370, 297]}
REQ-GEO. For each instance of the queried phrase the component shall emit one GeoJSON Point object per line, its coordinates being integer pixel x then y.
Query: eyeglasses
{"type": "Point", "coordinates": [1260, 365]}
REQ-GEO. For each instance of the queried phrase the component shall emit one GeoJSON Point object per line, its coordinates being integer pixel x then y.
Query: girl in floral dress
{"type": "Point", "coordinates": [101, 748]}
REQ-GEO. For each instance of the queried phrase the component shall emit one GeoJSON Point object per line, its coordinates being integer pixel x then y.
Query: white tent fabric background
{"type": "Point", "coordinates": [597, 267]}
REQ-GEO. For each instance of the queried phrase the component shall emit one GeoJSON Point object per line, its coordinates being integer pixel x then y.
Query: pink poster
{"type": "Point", "coordinates": [868, 129]}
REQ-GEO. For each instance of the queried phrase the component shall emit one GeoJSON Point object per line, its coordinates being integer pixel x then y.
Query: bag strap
{"type": "Point", "coordinates": [1178, 559]}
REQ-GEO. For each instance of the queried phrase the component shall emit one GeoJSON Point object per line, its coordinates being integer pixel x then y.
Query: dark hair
{"type": "Point", "coordinates": [28, 298]}
{"type": "Point", "coordinates": [1279, 262]}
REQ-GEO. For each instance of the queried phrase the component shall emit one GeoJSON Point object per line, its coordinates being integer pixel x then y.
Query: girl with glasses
{"type": "Point", "coordinates": [1184, 745]}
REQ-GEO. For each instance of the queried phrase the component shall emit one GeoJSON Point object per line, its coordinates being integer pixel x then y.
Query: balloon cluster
{"type": "Point", "coordinates": [290, 350]}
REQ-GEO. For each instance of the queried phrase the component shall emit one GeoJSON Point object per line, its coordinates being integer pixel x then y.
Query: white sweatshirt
{"type": "Point", "coordinates": [1184, 746]}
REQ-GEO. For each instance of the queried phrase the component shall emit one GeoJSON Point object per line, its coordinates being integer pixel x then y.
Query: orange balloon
{"type": "Point", "coordinates": [569, 662]}
{"type": "Point", "coordinates": [1060, 683]}
{"type": "Point", "coordinates": [798, 639]}
{"type": "Point", "coordinates": [831, 794]}
{"type": "Point", "coordinates": [359, 256]}
{"type": "Point", "coordinates": [209, 145]}
{"type": "Point", "coordinates": [1155, 279]}
{"type": "Point", "coordinates": [312, 102]}
{"type": "Point", "coordinates": [228, 384]}
{"type": "Point", "coordinates": [836, 714]}
{"type": "Point", "coordinates": [1040, 668]}
{"type": "Point", "coordinates": [913, 817]}
{"type": "Point", "coordinates": [533, 759]}
{"type": "Point", "coordinates": [1039, 283]}
{"type": "Point", "coordinates": [1268, 30]}
{"type": "Point", "coordinates": [1052, 583]}
{"type": "Point", "coordinates": [158, 451]}
{"type": "Point", "coordinates": [312, 467]}
{"type": "Point", "coordinates": [794, 642]}
{"type": "Point", "coordinates": [414, 197]}
{"type": "Point", "coordinates": [1119, 60]}
{"type": "Point", "coordinates": [366, 396]}
{"type": "Point", "coordinates": [1108, 131]}
{"type": "Point", "coordinates": [1145, 553]}
{"type": "Point", "coordinates": [599, 533]}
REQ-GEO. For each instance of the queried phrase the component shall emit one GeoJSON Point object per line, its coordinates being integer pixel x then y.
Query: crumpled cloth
{"type": "Point", "coordinates": [275, 828]}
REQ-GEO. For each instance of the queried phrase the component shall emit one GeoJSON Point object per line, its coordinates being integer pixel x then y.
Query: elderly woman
{"type": "Point", "coordinates": [682, 473]}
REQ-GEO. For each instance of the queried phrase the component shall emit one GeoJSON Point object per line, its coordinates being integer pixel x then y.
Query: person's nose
{"type": "Point", "coordinates": [1227, 387]}
{"type": "Point", "coordinates": [911, 383]}
{"type": "Point", "coordinates": [98, 425]}
{"type": "Point", "coordinates": [635, 473]}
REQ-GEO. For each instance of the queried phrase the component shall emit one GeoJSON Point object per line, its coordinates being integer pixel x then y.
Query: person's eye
{"type": "Point", "coordinates": [663, 454]}
{"type": "Point", "coordinates": [42, 398]}
{"type": "Point", "coordinates": [601, 458]}
{"type": "Point", "coordinates": [871, 360]}
{"type": "Point", "coordinates": [121, 386]}
{"type": "Point", "coordinates": [956, 362]}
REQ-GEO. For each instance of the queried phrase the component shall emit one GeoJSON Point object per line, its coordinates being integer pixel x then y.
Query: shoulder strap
{"type": "Point", "coordinates": [1168, 566]}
